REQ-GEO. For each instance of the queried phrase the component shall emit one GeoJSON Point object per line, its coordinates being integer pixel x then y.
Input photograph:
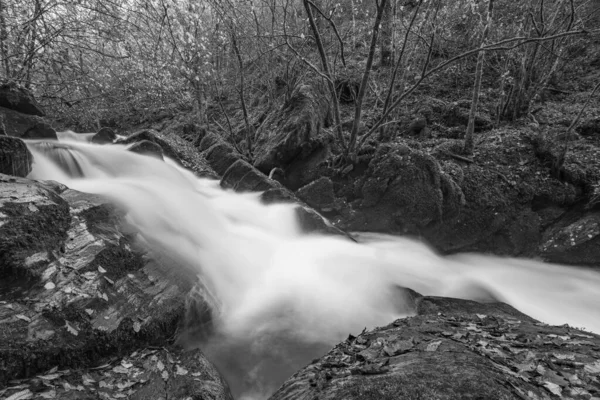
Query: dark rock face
{"type": "Point", "coordinates": [318, 194]}
{"type": "Point", "coordinates": [404, 189]}
{"type": "Point", "coordinates": [15, 158]}
{"type": "Point", "coordinates": [299, 121]}
{"type": "Point", "coordinates": [175, 148]}
{"type": "Point", "coordinates": [148, 148]}
{"type": "Point", "coordinates": [104, 136]}
{"type": "Point", "coordinates": [40, 131]}
{"type": "Point", "coordinates": [454, 349]}
{"type": "Point", "coordinates": [16, 123]}
{"type": "Point", "coordinates": [77, 288]}
{"type": "Point", "coordinates": [17, 98]}
{"type": "Point", "coordinates": [220, 157]}
{"type": "Point", "coordinates": [243, 177]}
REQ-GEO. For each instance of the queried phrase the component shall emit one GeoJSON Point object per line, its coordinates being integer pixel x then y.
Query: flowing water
{"type": "Point", "coordinates": [284, 297]}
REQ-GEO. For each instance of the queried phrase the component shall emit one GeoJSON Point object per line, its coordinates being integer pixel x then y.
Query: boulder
{"type": "Point", "coordinates": [318, 194]}
{"type": "Point", "coordinates": [454, 349]}
{"type": "Point", "coordinates": [104, 136]}
{"type": "Point", "coordinates": [403, 190]}
{"type": "Point", "coordinates": [18, 98]}
{"type": "Point", "coordinates": [175, 148]}
{"type": "Point", "coordinates": [209, 140]}
{"type": "Point", "coordinates": [220, 157]}
{"type": "Point", "coordinates": [16, 123]}
{"type": "Point", "coordinates": [40, 131]}
{"type": "Point", "coordinates": [167, 372]}
{"type": "Point", "coordinates": [241, 176]}
{"type": "Point", "coordinates": [15, 158]}
{"type": "Point", "coordinates": [299, 121]}
{"type": "Point", "coordinates": [148, 148]}
{"type": "Point", "coordinates": [77, 286]}
{"type": "Point", "coordinates": [575, 239]}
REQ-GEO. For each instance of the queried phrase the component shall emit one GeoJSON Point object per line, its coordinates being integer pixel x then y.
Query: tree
{"type": "Point", "coordinates": [468, 148]}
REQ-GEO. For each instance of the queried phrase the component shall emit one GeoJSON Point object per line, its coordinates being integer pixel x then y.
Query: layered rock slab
{"type": "Point", "coordinates": [78, 284]}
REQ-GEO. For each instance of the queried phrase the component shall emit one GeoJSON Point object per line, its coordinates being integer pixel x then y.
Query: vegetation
{"type": "Point", "coordinates": [229, 64]}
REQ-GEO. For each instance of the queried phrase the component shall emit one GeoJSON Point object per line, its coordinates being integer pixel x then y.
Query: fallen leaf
{"type": "Point", "coordinates": [181, 371]}
{"type": "Point", "coordinates": [120, 370]}
{"type": "Point", "coordinates": [49, 377]}
{"type": "Point", "coordinates": [49, 286]}
{"type": "Point", "coordinates": [104, 296]}
{"type": "Point", "coordinates": [87, 380]}
{"type": "Point", "coordinates": [22, 395]}
{"type": "Point", "coordinates": [160, 365]}
{"type": "Point", "coordinates": [165, 375]}
{"type": "Point", "coordinates": [123, 386]}
{"type": "Point", "coordinates": [109, 280]}
{"type": "Point", "coordinates": [593, 368]}
{"type": "Point", "coordinates": [553, 388]}
{"type": "Point", "coordinates": [48, 395]}
{"type": "Point", "coordinates": [119, 396]}
{"type": "Point", "coordinates": [68, 290]}
{"type": "Point", "coordinates": [433, 346]}
{"type": "Point", "coordinates": [101, 270]}
{"type": "Point", "coordinates": [89, 311]}
{"type": "Point", "coordinates": [126, 364]}
{"type": "Point", "coordinates": [68, 387]}
{"type": "Point", "coordinates": [71, 329]}
{"type": "Point", "coordinates": [23, 317]}
{"type": "Point", "coordinates": [137, 326]}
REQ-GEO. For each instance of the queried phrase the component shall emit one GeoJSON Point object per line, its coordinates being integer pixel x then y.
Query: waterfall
{"type": "Point", "coordinates": [285, 296]}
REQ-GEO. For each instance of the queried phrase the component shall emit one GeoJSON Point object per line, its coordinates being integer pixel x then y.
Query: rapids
{"type": "Point", "coordinates": [283, 297]}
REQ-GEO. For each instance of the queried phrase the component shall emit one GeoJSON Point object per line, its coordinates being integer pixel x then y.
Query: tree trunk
{"type": "Point", "coordinates": [468, 149]}
{"type": "Point", "coordinates": [387, 35]}
{"type": "Point", "coordinates": [3, 40]}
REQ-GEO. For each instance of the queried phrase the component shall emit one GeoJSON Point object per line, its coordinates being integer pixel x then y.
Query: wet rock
{"type": "Point", "coordinates": [40, 131]}
{"type": "Point", "coordinates": [104, 136]}
{"type": "Point", "coordinates": [15, 97]}
{"type": "Point", "coordinates": [318, 194]}
{"type": "Point", "coordinates": [175, 148]}
{"type": "Point", "coordinates": [147, 374]}
{"type": "Point", "coordinates": [148, 148]}
{"type": "Point", "coordinates": [574, 240]}
{"type": "Point", "coordinates": [77, 285]}
{"type": "Point", "coordinates": [454, 349]}
{"type": "Point", "coordinates": [16, 123]}
{"type": "Point", "coordinates": [209, 140]}
{"type": "Point", "coordinates": [241, 176]}
{"type": "Point", "coordinates": [15, 158]}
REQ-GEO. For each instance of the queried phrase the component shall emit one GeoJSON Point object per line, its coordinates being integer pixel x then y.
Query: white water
{"type": "Point", "coordinates": [278, 287]}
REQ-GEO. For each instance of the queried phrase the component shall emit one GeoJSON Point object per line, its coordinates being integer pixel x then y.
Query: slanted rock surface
{"type": "Point", "coordinates": [17, 98]}
{"type": "Point", "coordinates": [77, 287]}
{"type": "Point", "coordinates": [455, 349]}
{"type": "Point", "coordinates": [15, 158]}
{"type": "Point", "coordinates": [104, 135]}
{"type": "Point", "coordinates": [40, 131]}
{"type": "Point", "coordinates": [147, 374]}
{"type": "Point", "coordinates": [148, 148]}
{"type": "Point", "coordinates": [175, 148]}
{"type": "Point", "coordinates": [16, 123]}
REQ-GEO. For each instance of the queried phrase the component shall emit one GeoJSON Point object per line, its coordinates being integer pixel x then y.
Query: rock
{"type": "Point", "coordinates": [209, 140]}
{"type": "Point", "coordinates": [452, 349]}
{"type": "Point", "coordinates": [77, 286]}
{"type": "Point", "coordinates": [458, 115]}
{"type": "Point", "coordinates": [297, 123]}
{"type": "Point", "coordinates": [104, 136]}
{"type": "Point", "coordinates": [574, 240]}
{"type": "Point", "coordinates": [168, 372]}
{"type": "Point", "coordinates": [318, 194]}
{"type": "Point", "coordinates": [18, 98]}
{"type": "Point", "coordinates": [220, 157]}
{"type": "Point", "coordinates": [403, 190]}
{"type": "Point", "coordinates": [241, 176]}
{"type": "Point", "coordinates": [589, 127]}
{"type": "Point", "coordinates": [15, 158]}
{"type": "Point", "coordinates": [417, 126]}
{"type": "Point", "coordinates": [16, 123]}
{"type": "Point", "coordinates": [148, 148]}
{"type": "Point", "coordinates": [175, 148]}
{"type": "Point", "coordinates": [40, 131]}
